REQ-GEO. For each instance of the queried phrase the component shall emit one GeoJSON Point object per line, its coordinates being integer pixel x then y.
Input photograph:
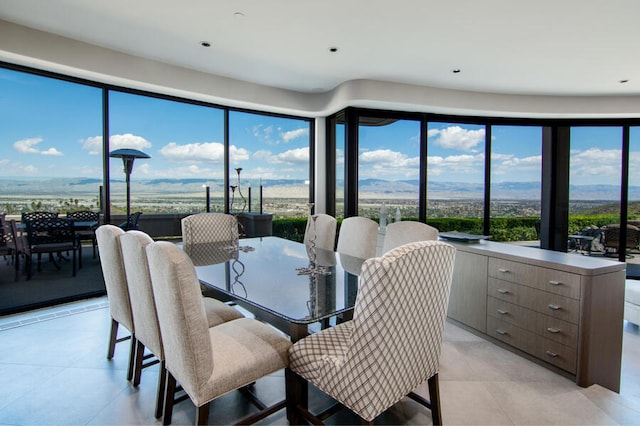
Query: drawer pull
{"type": "Point", "coordinates": [501, 332]}
{"type": "Point", "coordinates": [552, 354]}
{"type": "Point", "coordinates": [503, 270]}
{"type": "Point", "coordinates": [503, 291]}
{"type": "Point", "coordinates": [502, 312]}
{"type": "Point", "coordinates": [554, 307]}
{"type": "Point", "coordinates": [555, 283]}
{"type": "Point", "coordinates": [553, 330]}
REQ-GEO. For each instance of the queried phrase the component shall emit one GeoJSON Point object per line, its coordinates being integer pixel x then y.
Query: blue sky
{"type": "Point", "coordinates": [54, 128]}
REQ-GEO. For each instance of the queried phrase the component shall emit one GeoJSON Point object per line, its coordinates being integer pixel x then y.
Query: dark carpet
{"type": "Point", "coordinates": [50, 286]}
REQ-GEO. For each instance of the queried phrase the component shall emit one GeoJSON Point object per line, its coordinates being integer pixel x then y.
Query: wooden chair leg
{"type": "Point", "coordinates": [202, 415]}
{"type": "Point", "coordinates": [162, 384]}
{"type": "Point", "coordinates": [297, 392]}
{"type": "Point", "coordinates": [169, 394]}
{"type": "Point", "coordinates": [137, 365]}
{"type": "Point", "coordinates": [434, 396]}
{"type": "Point", "coordinates": [132, 357]}
{"type": "Point", "coordinates": [113, 336]}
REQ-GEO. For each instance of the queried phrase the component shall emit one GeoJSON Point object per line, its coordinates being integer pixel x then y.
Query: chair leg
{"type": "Point", "coordinates": [297, 392]}
{"type": "Point", "coordinates": [169, 394]}
{"type": "Point", "coordinates": [113, 336]}
{"type": "Point", "coordinates": [79, 255]}
{"type": "Point", "coordinates": [137, 366]}
{"type": "Point", "coordinates": [132, 357]}
{"type": "Point", "coordinates": [434, 396]}
{"type": "Point", "coordinates": [73, 261]}
{"type": "Point", "coordinates": [162, 384]}
{"type": "Point", "coordinates": [202, 415]}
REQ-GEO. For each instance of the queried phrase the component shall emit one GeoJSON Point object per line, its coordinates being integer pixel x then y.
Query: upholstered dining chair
{"type": "Point", "coordinates": [358, 237]}
{"type": "Point", "coordinates": [391, 346]}
{"type": "Point", "coordinates": [207, 362]}
{"type": "Point", "coordinates": [209, 228]}
{"type": "Point", "coordinates": [407, 231]}
{"type": "Point", "coordinates": [145, 316]}
{"type": "Point", "coordinates": [115, 281]}
{"type": "Point", "coordinates": [321, 229]}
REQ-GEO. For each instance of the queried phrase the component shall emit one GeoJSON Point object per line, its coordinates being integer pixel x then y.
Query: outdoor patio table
{"type": "Point", "coordinates": [269, 277]}
{"type": "Point", "coordinates": [582, 243]}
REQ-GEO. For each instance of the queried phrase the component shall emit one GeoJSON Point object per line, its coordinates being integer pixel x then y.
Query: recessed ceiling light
{"type": "Point", "coordinates": [238, 15]}
{"type": "Point", "coordinates": [333, 49]}
{"type": "Point", "coordinates": [623, 81]}
{"type": "Point", "coordinates": [455, 70]}
{"type": "Point", "coordinates": [205, 44]}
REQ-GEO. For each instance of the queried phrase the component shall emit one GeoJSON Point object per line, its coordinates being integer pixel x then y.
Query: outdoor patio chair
{"type": "Point", "coordinates": [612, 239]}
{"type": "Point", "coordinates": [12, 243]}
{"type": "Point", "coordinates": [52, 236]}
{"type": "Point", "coordinates": [132, 222]}
{"type": "Point", "coordinates": [90, 233]}
{"type": "Point", "coordinates": [392, 344]}
{"type": "Point", "coordinates": [207, 362]}
{"type": "Point", "coordinates": [39, 215]}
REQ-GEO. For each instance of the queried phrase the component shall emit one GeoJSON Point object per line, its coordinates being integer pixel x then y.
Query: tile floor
{"type": "Point", "coordinates": [54, 371]}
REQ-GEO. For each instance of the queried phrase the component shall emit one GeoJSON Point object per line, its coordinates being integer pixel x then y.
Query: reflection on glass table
{"type": "Point", "coordinates": [264, 279]}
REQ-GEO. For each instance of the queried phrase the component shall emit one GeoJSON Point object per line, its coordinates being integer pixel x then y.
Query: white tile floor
{"type": "Point", "coordinates": [54, 371]}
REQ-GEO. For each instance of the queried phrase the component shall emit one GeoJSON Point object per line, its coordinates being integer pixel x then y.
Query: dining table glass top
{"type": "Point", "coordinates": [277, 276]}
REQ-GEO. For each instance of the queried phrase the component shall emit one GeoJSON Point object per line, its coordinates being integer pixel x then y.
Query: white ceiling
{"type": "Point", "coordinates": [549, 47]}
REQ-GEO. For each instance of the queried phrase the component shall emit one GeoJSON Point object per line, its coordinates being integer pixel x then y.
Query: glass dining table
{"type": "Point", "coordinates": [284, 283]}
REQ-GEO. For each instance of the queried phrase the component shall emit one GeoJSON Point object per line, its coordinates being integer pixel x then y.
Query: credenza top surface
{"type": "Point", "coordinates": [569, 262]}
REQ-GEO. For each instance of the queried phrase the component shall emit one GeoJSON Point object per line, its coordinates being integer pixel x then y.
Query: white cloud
{"type": "Point", "coordinates": [128, 140]}
{"type": "Point", "coordinates": [455, 164]}
{"type": "Point", "coordinates": [385, 162]}
{"type": "Point", "coordinates": [294, 134]}
{"type": "Point", "coordinates": [455, 137]}
{"type": "Point", "coordinates": [297, 155]}
{"type": "Point", "coordinates": [596, 165]}
{"type": "Point", "coordinates": [211, 152]}
{"type": "Point", "coordinates": [30, 146]}
{"type": "Point", "coordinates": [93, 145]}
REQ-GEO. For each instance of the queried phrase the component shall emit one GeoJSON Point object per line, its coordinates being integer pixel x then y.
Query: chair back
{"type": "Point", "coordinates": [181, 314]}
{"type": "Point", "coordinates": [53, 230]}
{"type": "Point", "coordinates": [358, 237]}
{"type": "Point", "coordinates": [322, 227]}
{"type": "Point", "coordinates": [143, 306]}
{"type": "Point", "coordinates": [132, 221]}
{"type": "Point", "coordinates": [115, 279]}
{"type": "Point", "coordinates": [33, 216]}
{"type": "Point", "coordinates": [209, 228]}
{"type": "Point", "coordinates": [399, 233]}
{"type": "Point", "coordinates": [10, 240]}
{"type": "Point", "coordinates": [398, 322]}
{"type": "Point", "coordinates": [84, 216]}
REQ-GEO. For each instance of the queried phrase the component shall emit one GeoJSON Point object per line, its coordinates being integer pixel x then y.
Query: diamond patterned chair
{"type": "Point", "coordinates": [115, 281]}
{"type": "Point", "coordinates": [145, 316]}
{"type": "Point", "coordinates": [86, 234]}
{"type": "Point", "coordinates": [399, 233]}
{"type": "Point", "coordinates": [358, 237]}
{"type": "Point", "coordinates": [12, 243]}
{"type": "Point", "coordinates": [132, 222]}
{"type": "Point", "coordinates": [391, 346]}
{"type": "Point", "coordinates": [323, 228]}
{"type": "Point", "coordinates": [209, 228]}
{"type": "Point", "coordinates": [52, 235]}
{"type": "Point", "coordinates": [208, 362]}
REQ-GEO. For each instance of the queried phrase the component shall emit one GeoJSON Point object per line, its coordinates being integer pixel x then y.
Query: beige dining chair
{"type": "Point", "coordinates": [115, 281]}
{"type": "Point", "coordinates": [358, 237]}
{"type": "Point", "coordinates": [408, 231]}
{"type": "Point", "coordinates": [321, 230]}
{"type": "Point", "coordinates": [391, 346]}
{"type": "Point", "coordinates": [207, 362]}
{"type": "Point", "coordinates": [209, 228]}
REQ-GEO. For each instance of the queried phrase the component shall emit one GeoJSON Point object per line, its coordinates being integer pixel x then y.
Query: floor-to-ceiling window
{"type": "Point", "coordinates": [50, 144]}
{"type": "Point", "coordinates": [339, 165]}
{"type": "Point", "coordinates": [455, 170]}
{"type": "Point", "coordinates": [516, 170]}
{"type": "Point", "coordinates": [186, 145]}
{"type": "Point", "coordinates": [272, 155]}
{"type": "Point", "coordinates": [595, 169]}
{"type": "Point", "coordinates": [388, 168]}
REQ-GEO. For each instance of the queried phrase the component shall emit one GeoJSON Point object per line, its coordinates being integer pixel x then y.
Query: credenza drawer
{"type": "Point", "coordinates": [564, 308]}
{"type": "Point", "coordinates": [555, 353]}
{"type": "Point", "coordinates": [511, 313]}
{"type": "Point", "coordinates": [511, 334]}
{"type": "Point", "coordinates": [550, 280]}
{"type": "Point", "coordinates": [557, 330]}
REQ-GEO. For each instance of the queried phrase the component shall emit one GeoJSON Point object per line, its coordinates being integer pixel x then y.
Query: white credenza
{"type": "Point", "coordinates": [563, 309]}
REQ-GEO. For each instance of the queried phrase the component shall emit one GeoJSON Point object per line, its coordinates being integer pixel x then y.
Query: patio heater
{"type": "Point", "coordinates": [128, 157]}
